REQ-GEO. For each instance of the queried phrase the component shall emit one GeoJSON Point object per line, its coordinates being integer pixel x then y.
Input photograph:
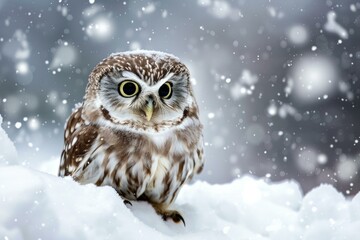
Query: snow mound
{"type": "Point", "coordinates": [8, 153]}
{"type": "Point", "coordinates": [37, 205]}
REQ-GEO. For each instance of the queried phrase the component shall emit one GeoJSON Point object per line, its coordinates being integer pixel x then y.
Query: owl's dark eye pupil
{"type": "Point", "coordinates": [129, 88]}
{"type": "Point", "coordinates": [165, 90]}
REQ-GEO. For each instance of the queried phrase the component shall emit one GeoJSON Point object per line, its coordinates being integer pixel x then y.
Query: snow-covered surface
{"type": "Point", "coordinates": [38, 205]}
{"type": "Point", "coordinates": [7, 149]}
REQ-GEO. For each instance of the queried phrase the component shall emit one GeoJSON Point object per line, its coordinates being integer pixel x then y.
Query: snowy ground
{"type": "Point", "coordinates": [38, 205]}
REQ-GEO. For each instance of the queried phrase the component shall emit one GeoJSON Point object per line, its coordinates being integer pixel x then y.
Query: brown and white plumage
{"type": "Point", "coordinates": [146, 145]}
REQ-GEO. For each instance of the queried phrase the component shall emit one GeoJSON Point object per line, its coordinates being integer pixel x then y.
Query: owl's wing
{"type": "Point", "coordinates": [198, 158]}
{"type": "Point", "coordinates": [199, 162]}
{"type": "Point", "coordinates": [79, 139]}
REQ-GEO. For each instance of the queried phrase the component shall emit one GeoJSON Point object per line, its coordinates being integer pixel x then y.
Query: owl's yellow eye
{"type": "Point", "coordinates": [165, 90]}
{"type": "Point", "coordinates": [128, 88]}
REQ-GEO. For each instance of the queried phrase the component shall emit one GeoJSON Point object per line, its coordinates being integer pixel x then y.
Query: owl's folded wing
{"type": "Point", "coordinates": [79, 138]}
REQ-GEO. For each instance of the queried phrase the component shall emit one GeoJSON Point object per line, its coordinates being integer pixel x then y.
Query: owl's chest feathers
{"type": "Point", "coordinates": [166, 146]}
{"type": "Point", "coordinates": [154, 165]}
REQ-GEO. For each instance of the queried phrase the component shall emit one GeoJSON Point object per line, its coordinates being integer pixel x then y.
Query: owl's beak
{"type": "Point", "coordinates": [149, 109]}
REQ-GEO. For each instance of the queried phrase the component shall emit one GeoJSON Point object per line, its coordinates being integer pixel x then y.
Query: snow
{"type": "Point", "coordinates": [283, 111]}
{"type": "Point", "coordinates": [39, 205]}
{"type": "Point", "coordinates": [159, 55]}
{"type": "Point", "coordinates": [275, 13]}
{"type": "Point", "coordinates": [307, 159]}
{"type": "Point", "coordinates": [64, 55]}
{"type": "Point", "coordinates": [333, 27]}
{"type": "Point", "coordinates": [22, 68]}
{"type": "Point", "coordinates": [221, 9]}
{"type": "Point", "coordinates": [314, 76]}
{"type": "Point", "coordinates": [347, 168]}
{"type": "Point", "coordinates": [8, 153]}
{"type": "Point", "coordinates": [100, 29]}
{"type": "Point", "coordinates": [18, 50]}
{"type": "Point", "coordinates": [18, 47]}
{"type": "Point", "coordinates": [255, 134]}
{"type": "Point", "coordinates": [33, 124]}
{"type": "Point", "coordinates": [150, 8]}
{"type": "Point", "coordinates": [244, 86]}
{"type": "Point", "coordinates": [91, 11]}
{"type": "Point", "coordinates": [298, 35]}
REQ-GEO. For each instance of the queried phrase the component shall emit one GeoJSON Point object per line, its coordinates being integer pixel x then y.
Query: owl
{"type": "Point", "coordinates": [137, 130]}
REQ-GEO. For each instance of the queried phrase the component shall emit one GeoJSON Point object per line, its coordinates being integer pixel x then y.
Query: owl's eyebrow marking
{"type": "Point", "coordinates": [165, 79]}
{"type": "Point", "coordinates": [130, 75]}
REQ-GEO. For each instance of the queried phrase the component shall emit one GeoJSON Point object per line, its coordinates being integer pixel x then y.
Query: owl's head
{"type": "Point", "coordinates": [141, 88]}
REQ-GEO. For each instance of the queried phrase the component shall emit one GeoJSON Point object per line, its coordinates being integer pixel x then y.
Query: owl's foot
{"type": "Point", "coordinates": [169, 214]}
{"type": "Point", "coordinates": [173, 215]}
{"type": "Point", "coordinates": [127, 202]}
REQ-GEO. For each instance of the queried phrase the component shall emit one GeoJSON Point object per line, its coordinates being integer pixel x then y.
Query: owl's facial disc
{"type": "Point", "coordinates": [127, 97]}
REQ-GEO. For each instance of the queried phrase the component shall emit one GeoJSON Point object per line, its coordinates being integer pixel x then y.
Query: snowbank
{"type": "Point", "coordinates": [7, 149]}
{"type": "Point", "coordinates": [37, 205]}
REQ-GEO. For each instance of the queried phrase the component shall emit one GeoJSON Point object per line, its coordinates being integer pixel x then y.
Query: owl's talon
{"type": "Point", "coordinates": [127, 202]}
{"type": "Point", "coordinates": [174, 215]}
